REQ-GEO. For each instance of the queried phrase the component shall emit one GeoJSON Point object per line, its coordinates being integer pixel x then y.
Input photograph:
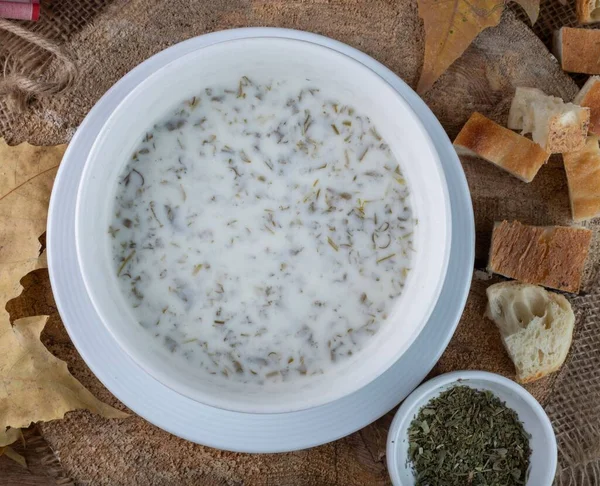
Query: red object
{"type": "Point", "coordinates": [19, 10]}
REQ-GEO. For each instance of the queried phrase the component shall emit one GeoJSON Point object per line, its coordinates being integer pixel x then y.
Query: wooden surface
{"type": "Point", "coordinates": [96, 451]}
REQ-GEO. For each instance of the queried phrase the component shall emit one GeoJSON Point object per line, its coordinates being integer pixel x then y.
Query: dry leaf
{"type": "Point", "coordinates": [14, 455]}
{"type": "Point", "coordinates": [9, 436]}
{"type": "Point", "coordinates": [34, 384]}
{"type": "Point", "coordinates": [26, 177]}
{"type": "Point", "coordinates": [531, 7]}
{"type": "Point", "coordinates": [450, 27]}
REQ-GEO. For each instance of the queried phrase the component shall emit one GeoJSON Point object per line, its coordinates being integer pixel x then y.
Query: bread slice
{"type": "Point", "coordinates": [589, 96]}
{"type": "Point", "coordinates": [556, 126]}
{"type": "Point", "coordinates": [508, 150]}
{"type": "Point", "coordinates": [536, 327]}
{"type": "Point", "coordinates": [578, 50]}
{"type": "Point", "coordinates": [552, 256]}
{"type": "Point", "coordinates": [583, 179]}
{"type": "Point", "coordinates": [588, 11]}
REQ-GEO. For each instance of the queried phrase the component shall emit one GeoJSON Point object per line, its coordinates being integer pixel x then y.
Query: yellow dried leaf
{"type": "Point", "coordinates": [26, 177]}
{"type": "Point", "coordinates": [531, 7]}
{"type": "Point", "coordinates": [34, 384]}
{"type": "Point", "coordinates": [14, 455]}
{"type": "Point", "coordinates": [450, 27]}
{"type": "Point", "coordinates": [9, 436]}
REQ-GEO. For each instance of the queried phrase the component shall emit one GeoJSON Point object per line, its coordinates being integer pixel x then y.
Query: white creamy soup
{"type": "Point", "coordinates": [262, 231]}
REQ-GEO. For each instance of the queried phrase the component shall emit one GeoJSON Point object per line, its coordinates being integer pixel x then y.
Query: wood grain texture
{"type": "Point", "coordinates": [133, 452]}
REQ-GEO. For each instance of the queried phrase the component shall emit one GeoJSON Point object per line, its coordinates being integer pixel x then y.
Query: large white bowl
{"type": "Point", "coordinates": [262, 58]}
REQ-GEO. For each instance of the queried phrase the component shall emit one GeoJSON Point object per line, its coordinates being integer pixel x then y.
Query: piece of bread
{"type": "Point", "coordinates": [520, 116]}
{"type": "Point", "coordinates": [536, 327]}
{"type": "Point", "coordinates": [589, 96]}
{"type": "Point", "coordinates": [552, 256]}
{"type": "Point", "coordinates": [588, 11]}
{"type": "Point", "coordinates": [583, 179]}
{"type": "Point", "coordinates": [556, 126]}
{"type": "Point", "coordinates": [508, 150]}
{"type": "Point", "coordinates": [578, 50]}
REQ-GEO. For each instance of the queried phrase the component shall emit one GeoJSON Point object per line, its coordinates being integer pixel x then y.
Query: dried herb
{"type": "Point", "coordinates": [386, 258]}
{"type": "Point", "coordinates": [127, 178]}
{"type": "Point", "coordinates": [363, 155]}
{"type": "Point", "coordinates": [375, 133]}
{"type": "Point", "coordinates": [173, 125]}
{"type": "Point", "coordinates": [193, 102]}
{"type": "Point", "coordinates": [332, 244]}
{"type": "Point", "coordinates": [245, 157]}
{"type": "Point", "coordinates": [468, 437]}
{"type": "Point", "coordinates": [307, 122]}
{"type": "Point", "coordinates": [125, 261]}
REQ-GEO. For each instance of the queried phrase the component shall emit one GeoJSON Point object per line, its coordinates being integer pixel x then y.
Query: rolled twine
{"type": "Point", "coordinates": [19, 88]}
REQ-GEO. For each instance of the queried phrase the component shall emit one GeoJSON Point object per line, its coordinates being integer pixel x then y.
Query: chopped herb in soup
{"type": "Point", "coordinates": [262, 231]}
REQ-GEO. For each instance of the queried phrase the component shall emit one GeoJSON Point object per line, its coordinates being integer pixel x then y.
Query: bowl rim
{"type": "Point", "coordinates": [406, 411]}
{"type": "Point", "coordinates": [142, 360]}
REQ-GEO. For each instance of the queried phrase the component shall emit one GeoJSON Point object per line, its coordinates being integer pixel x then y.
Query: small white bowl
{"type": "Point", "coordinates": [266, 57]}
{"type": "Point", "coordinates": [543, 460]}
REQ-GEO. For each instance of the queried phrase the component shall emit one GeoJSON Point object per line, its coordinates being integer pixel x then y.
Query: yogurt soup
{"type": "Point", "coordinates": [262, 231]}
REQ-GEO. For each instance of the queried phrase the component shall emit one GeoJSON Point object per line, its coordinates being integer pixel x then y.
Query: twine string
{"type": "Point", "coordinates": [18, 87]}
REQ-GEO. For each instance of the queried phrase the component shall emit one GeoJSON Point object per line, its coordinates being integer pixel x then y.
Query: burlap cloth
{"type": "Point", "coordinates": [107, 39]}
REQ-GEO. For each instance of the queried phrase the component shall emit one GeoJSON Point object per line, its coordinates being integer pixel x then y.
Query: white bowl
{"type": "Point", "coordinates": [266, 57]}
{"type": "Point", "coordinates": [535, 422]}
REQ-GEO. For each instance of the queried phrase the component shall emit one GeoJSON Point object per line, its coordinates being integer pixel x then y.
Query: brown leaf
{"type": "Point", "coordinates": [531, 7]}
{"type": "Point", "coordinates": [26, 177]}
{"type": "Point", "coordinates": [34, 384]}
{"type": "Point", "coordinates": [450, 27]}
{"type": "Point", "coordinates": [9, 436]}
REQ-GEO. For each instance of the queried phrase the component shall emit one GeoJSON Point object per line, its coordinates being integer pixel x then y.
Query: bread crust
{"type": "Point", "coordinates": [502, 147]}
{"type": "Point", "coordinates": [583, 178]}
{"type": "Point", "coordinates": [551, 256]}
{"type": "Point", "coordinates": [578, 50]}
{"type": "Point", "coordinates": [589, 96]}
